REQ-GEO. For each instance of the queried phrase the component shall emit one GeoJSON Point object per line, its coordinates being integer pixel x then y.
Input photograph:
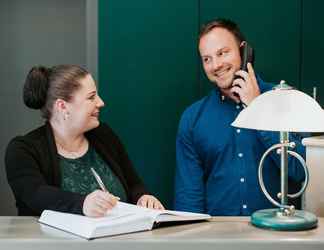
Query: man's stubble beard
{"type": "Point", "coordinates": [228, 84]}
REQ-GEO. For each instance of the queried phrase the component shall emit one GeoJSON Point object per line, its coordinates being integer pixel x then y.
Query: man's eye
{"type": "Point", "coordinates": [222, 53]}
{"type": "Point", "coordinates": [92, 97]}
{"type": "Point", "coordinates": [206, 59]}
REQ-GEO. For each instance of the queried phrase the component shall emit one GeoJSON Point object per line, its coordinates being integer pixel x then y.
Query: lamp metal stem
{"type": "Point", "coordinates": [284, 138]}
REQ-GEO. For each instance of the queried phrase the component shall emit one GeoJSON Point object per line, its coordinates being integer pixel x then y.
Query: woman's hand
{"type": "Point", "coordinates": [97, 203]}
{"type": "Point", "coordinates": [149, 201]}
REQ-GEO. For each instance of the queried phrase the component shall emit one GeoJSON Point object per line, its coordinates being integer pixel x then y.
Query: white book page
{"type": "Point", "coordinates": [126, 209]}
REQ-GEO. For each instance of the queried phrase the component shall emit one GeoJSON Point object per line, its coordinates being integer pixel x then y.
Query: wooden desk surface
{"type": "Point", "coordinates": [220, 233]}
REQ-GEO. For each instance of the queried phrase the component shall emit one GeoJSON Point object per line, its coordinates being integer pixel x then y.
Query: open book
{"type": "Point", "coordinates": [123, 218]}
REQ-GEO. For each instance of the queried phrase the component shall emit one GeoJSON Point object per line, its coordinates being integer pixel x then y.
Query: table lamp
{"type": "Point", "coordinates": [283, 109]}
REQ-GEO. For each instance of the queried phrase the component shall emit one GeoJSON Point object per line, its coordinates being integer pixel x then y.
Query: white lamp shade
{"type": "Point", "coordinates": [282, 110]}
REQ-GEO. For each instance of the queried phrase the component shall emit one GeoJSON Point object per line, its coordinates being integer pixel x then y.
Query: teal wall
{"type": "Point", "coordinates": [149, 69]}
{"type": "Point", "coordinates": [147, 76]}
{"type": "Point", "coordinates": [312, 73]}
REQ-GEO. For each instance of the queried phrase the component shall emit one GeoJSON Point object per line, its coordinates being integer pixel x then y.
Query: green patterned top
{"type": "Point", "coordinates": [78, 178]}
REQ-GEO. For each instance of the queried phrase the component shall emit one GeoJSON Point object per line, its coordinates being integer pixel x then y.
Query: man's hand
{"type": "Point", "coordinates": [149, 201]}
{"type": "Point", "coordinates": [247, 88]}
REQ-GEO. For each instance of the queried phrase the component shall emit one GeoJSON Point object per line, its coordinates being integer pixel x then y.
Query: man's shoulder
{"type": "Point", "coordinates": [192, 113]}
{"type": "Point", "coordinates": [194, 108]}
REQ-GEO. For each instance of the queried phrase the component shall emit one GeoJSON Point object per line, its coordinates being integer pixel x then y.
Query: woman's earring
{"type": "Point", "coordinates": [65, 116]}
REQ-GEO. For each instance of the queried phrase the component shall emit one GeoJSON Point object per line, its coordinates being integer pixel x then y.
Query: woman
{"type": "Point", "coordinates": [49, 168]}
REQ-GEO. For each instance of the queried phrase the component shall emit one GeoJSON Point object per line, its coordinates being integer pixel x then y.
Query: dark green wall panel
{"type": "Point", "coordinates": [147, 76]}
{"type": "Point", "coordinates": [313, 48]}
{"type": "Point", "coordinates": [149, 68]}
{"type": "Point", "coordinates": [273, 29]}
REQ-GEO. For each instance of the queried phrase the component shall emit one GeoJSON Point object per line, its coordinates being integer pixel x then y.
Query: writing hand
{"type": "Point", "coordinates": [97, 203]}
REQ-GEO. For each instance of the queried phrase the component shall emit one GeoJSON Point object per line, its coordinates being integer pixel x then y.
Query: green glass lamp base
{"type": "Point", "coordinates": [273, 219]}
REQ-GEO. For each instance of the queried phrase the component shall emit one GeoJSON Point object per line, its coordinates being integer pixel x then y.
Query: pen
{"type": "Point", "coordinates": [101, 184]}
{"type": "Point", "coordinates": [99, 181]}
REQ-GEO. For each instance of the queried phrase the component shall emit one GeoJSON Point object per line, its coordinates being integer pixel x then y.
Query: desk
{"type": "Point", "coordinates": [230, 233]}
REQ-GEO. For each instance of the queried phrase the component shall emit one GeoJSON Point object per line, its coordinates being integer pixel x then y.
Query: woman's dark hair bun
{"type": "Point", "coordinates": [36, 86]}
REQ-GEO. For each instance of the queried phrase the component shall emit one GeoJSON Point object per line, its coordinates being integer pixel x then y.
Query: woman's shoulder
{"type": "Point", "coordinates": [30, 138]}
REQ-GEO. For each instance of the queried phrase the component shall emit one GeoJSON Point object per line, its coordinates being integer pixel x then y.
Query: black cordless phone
{"type": "Point", "coordinates": [247, 56]}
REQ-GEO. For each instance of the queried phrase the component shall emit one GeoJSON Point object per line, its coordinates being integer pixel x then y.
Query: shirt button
{"type": "Point", "coordinates": [238, 130]}
{"type": "Point", "coordinates": [242, 180]}
{"type": "Point", "coordinates": [240, 155]}
{"type": "Point", "coordinates": [244, 206]}
{"type": "Point", "coordinates": [237, 106]}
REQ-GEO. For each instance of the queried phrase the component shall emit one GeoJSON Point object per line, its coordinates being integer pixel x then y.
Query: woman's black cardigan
{"type": "Point", "coordinates": [33, 170]}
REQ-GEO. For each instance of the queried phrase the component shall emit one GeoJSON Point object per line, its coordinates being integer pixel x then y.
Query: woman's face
{"type": "Point", "coordinates": [84, 106]}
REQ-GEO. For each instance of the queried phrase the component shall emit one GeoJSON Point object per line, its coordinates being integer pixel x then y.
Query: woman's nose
{"type": "Point", "coordinates": [100, 102]}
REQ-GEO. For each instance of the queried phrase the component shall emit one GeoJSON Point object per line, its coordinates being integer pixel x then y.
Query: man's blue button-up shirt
{"type": "Point", "coordinates": [217, 164]}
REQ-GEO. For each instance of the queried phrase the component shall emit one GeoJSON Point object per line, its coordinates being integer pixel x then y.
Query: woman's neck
{"type": "Point", "coordinates": [68, 143]}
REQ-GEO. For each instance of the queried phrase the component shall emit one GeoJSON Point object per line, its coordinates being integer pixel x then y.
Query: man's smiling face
{"type": "Point", "coordinates": [220, 54]}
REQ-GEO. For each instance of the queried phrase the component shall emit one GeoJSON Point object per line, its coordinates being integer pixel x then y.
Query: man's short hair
{"type": "Point", "coordinates": [225, 24]}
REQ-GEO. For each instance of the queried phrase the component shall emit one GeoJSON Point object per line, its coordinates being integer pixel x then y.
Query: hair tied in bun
{"type": "Point", "coordinates": [36, 86]}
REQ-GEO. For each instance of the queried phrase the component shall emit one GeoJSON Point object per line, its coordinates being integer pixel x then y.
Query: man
{"type": "Point", "coordinates": [217, 164]}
